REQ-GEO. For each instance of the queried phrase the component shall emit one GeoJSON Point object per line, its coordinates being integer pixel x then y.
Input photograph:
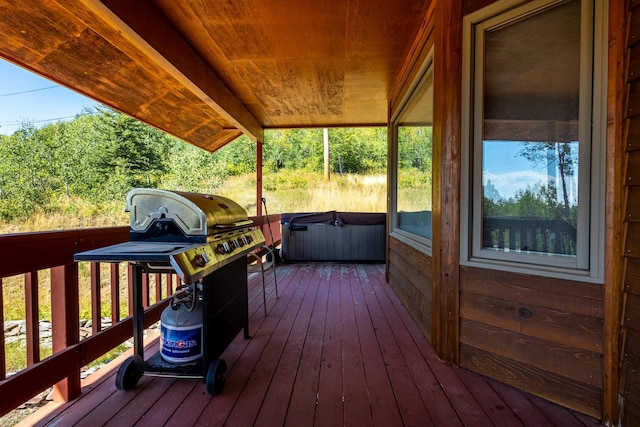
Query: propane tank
{"type": "Point", "coordinates": [181, 326]}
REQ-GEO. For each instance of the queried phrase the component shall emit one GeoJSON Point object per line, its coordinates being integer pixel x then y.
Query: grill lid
{"type": "Point", "coordinates": [195, 214]}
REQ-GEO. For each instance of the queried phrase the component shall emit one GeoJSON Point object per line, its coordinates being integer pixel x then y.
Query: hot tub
{"type": "Point", "coordinates": [333, 236]}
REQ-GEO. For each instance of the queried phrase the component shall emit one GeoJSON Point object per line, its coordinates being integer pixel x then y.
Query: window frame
{"type": "Point", "coordinates": [423, 77]}
{"type": "Point", "coordinates": [589, 261]}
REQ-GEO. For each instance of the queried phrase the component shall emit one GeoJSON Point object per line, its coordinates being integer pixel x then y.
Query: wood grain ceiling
{"type": "Point", "coordinates": [208, 71]}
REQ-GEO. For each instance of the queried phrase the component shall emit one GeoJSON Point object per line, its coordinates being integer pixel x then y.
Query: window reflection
{"type": "Point", "coordinates": [530, 128]}
{"type": "Point", "coordinates": [414, 169]}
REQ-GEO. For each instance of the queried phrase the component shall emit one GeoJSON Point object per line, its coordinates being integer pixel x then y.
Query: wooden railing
{"type": "Point", "coordinates": [27, 255]}
{"type": "Point", "coordinates": [529, 234]}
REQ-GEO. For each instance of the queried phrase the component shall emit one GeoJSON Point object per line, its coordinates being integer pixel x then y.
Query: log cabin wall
{"type": "Point", "coordinates": [409, 271]}
{"type": "Point", "coordinates": [630, 375]}
{"type": "Point", "coordinates": [540, 334]}
{"type": "Point", "coordinates": [543, 335]}
{"type": "Point", "coordinates": [410, 276]}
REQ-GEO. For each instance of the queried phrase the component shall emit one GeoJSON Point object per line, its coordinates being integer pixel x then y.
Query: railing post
{"type": "Point", "coordinates": [96, 300]}
{"type": "Point", "coordinates": [65, 327]}
{"type": "Point", "coordinates": [158, 279]}
{"type": "Point", "coordinates": [115, 293]}
{"type": "Point", "coordinates": [145, 290]}
{"type": "Point", "coordinates": [3, 361]}
{"type": "Point", "coordinates": [130, 287]}
{"type": "Point", "coordinates": [32, 317]}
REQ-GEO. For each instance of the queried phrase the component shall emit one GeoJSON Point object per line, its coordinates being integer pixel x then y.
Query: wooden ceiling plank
{"type": "Point", "coordinates": [155, 36]}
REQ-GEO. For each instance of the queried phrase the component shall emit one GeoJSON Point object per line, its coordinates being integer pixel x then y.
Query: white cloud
{"type": "Point", "coordinates": [509, 183]}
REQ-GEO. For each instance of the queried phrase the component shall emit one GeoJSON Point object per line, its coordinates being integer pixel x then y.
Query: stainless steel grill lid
{"type": "Point", "coordinates": [160, 214]}
{"type": "Point", "coordinates": [191, 234]}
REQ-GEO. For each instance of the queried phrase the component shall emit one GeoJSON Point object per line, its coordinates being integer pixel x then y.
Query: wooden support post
{"type": "Point", "coordinates": [614, 214]}
{"type": "Point", "coordinates": [65, 313]}
{"type": "Point", "coordinates": [447, 144]}
{"type": "Point", "coordinates": [259, 178]}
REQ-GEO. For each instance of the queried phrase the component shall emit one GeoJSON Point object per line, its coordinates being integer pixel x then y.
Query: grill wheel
{"type": "Point", "coordinates": [128, 375]}
{"type": "Point", "coordinates": [216, 377]}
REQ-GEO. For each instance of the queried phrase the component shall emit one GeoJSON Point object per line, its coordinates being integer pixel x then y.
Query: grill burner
{"type": "Point", "coordinates": [202, 238]}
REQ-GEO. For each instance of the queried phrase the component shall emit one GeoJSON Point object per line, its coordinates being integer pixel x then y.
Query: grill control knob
{"type": "Point", "coordinates": [223, 248]}
{"type": "Point", "coordinates": [201, 259]}
{"type": "Point", "coordinates": [242, 241]}
{"type": "Point", "coordinates": [249, 238]}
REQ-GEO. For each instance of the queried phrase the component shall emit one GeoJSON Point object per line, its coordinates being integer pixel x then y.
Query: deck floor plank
{"type": "Point", "coordinates": [168, 403]}
{"type": "Point", "coordinates": [218, 411]}
{"type": "Point", "coordinates": [460, 397]}
{"type": "Point", "coordinates": [408, 399]}
{"type": "Point", "coordinates": [522, 407]}
{"type": "Point", "coordinates": [336, 348]}
{"type": "Point", "coordinates": [302, 404]}
{"type": "Point", "coordinates": [383, 404]}
{"type": "Point", "coordinates": [492, 404]}
{"type": "Point", "coordinates": [357, 407]}
{"type": "Point", "coordinates": [329, 410]}
{"type": "Point", "coordinates": [430, 390]}
{"type": "Point", "coordinates": [250, 401]}
{"type": "Point", "coordinates": [274, 407]}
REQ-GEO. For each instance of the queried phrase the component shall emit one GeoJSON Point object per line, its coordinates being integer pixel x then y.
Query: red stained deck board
{"type": "Point", "coordinates": [460, 397]}
{"type": "Point", "coordinates": [249, 402]}
{"type": "Point", "coordinates": [408, 399]}
{"type": "Point", "coordinates": [302, 405]}
{"type": "Point", "coordinates": [433, 396]}
{"type": "Point", "coordinates": [276, 401]}
{"type": "Point", "coordinates": [492, 404]}
{"type": "Point", "coordinates": [136, 407]}
{"type": "Point", "coordinates": [383, 402]}
{"type": "Point", "coordinates": [383, 371]}
{"type": "Point", "coordinates": [329, 410]}
{"type": "Point", "coordinates": [218, 411]}
{"type": "Point", "coordinates": [169, 402]}
{"type": "Point", "coordinates": [357, 408]}
{"type": "Point", "coordinates": [519, 403]}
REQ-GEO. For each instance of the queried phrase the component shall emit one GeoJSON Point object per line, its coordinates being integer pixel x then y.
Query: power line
{"type": "Point", "coordinates": [28, 91]}
{"type": "Point", "coordinates": [9, 124]}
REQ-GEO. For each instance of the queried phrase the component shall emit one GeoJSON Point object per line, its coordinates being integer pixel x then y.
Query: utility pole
{"type": "Point", "coordinates": [326, 155]}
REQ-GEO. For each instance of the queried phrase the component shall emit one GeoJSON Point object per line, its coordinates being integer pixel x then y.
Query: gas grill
{"type": "Point", "coordinates": [204, 239]}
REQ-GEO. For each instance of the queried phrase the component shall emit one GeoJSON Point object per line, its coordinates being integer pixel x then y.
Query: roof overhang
{"type": "Point", "coordinates": [207, 72]}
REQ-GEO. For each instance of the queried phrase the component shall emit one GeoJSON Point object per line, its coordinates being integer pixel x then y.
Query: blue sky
{"type": "Point", "coordinates": [27, 97]}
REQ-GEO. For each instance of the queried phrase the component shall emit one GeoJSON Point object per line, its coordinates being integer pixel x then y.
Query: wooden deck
{"type": "Point", "coordinates": [337, 348]}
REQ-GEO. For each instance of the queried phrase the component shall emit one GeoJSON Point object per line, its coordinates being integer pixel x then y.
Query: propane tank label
{"type": "Point", "coordinates": [181, 344]}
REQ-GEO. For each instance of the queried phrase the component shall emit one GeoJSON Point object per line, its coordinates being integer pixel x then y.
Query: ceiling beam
{"type": "Point", "coordinates": [144, 26]}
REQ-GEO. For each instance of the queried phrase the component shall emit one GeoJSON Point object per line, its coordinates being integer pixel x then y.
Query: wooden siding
{"type": "Point", "coordinates": [630, 333]}
{"type": "Point", "coordinates": [410, 278]}
{"type": "Point", "coordinates": [539, 334]}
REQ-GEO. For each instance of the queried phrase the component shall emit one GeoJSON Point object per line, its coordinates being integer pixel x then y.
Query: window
{"type": "Point", "coordinates": [413, 139]}
{"type": "Point", "coordinates": [534, 156]}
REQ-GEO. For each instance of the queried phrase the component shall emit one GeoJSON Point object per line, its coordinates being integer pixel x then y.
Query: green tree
{"type": "Point", "coordinates": [550, 152]}
{"type": "Point", "coordinates": [127, 153]}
